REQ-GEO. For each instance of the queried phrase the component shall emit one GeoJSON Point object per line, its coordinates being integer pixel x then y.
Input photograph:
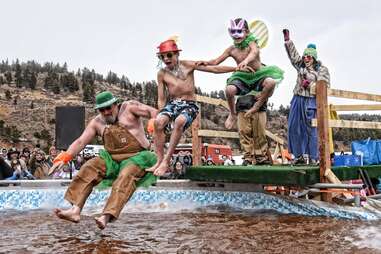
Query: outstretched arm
{"type": "Point", "coordinates": [293, 55]}
{"type": "Point", "coordinates": [218, 60]}
{"type": "Point", "coordinates": [86, 137]}
{"type": "Point", "coordinates": [88, 134]}
{"type": "Point", "coordinates": [209, 68]}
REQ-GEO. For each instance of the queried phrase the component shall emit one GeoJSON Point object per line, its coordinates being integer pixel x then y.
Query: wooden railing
{"type": "Point", "coordinates": [198, 133]}
{"type": "Point", "coordinates": [323, 122]}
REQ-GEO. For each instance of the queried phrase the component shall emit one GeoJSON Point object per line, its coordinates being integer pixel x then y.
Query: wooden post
{"type": "Point", "coordinates": [322, 127]}
{"type": "Point", "coordinates": [196, 140]}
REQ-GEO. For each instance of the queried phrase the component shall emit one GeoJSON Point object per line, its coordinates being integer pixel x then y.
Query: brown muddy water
{"type": "Point", "coordinates": [204, 230]}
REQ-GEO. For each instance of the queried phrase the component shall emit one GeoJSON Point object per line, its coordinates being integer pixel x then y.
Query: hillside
{"type": "Point", "coordinates": [29, 93]}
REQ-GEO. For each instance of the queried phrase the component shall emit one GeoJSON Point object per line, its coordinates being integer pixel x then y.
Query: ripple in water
{"type": "Point", "coordinates": [203, 230]}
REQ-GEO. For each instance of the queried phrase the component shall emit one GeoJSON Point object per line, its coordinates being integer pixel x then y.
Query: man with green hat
{"type": "Point", "coordinates": [302, 137]}
{"type": "Point", "coordinates": [124, 160]}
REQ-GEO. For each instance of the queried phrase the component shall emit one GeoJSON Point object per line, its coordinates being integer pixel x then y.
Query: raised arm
{"type": "Point", "coordinates": [160, 90]}
{"type": "Point", "coordinates": [293, 55]}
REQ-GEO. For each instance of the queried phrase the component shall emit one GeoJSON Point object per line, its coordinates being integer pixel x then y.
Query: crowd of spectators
{"type": "Point", "coordinates": [33, 163]}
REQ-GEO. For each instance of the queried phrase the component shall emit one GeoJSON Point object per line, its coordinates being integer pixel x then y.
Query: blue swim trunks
{"type": "Point", "coordinates": [174, 108]}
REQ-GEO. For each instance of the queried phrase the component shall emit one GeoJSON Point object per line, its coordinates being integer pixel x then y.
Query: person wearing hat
{"type": "Point", "coordinates": [179, 111]}
{"type": "Point", "coordinates": [120, 164]}
{"type": "Point", "coordinates": [302, 137]}
{"type": "Point", "coordinates": [18, 165]}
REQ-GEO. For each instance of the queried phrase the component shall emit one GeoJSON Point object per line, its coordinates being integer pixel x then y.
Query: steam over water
{"type": "Point", "coordinates": [206, 230]}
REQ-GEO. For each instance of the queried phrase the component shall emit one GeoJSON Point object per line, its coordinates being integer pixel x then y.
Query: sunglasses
{"type": "Point", "coordinates": [168, 55]}
{"type": "Point", "coordinates": [307, 57]}
{"type": "Point", "coordinates": [105, 109]}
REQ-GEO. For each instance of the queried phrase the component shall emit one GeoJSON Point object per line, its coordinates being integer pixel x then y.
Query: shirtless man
{"type": "Point", "coordinates": [124, 159]}
{"type": "Point", "coordinates": [247, 56]}
{"type": "Point", "coordinates": [178, 79]}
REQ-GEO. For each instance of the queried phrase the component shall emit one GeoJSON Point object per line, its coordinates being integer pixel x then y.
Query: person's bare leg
{"type": "Point", "coordinates": [230, 92]}
{"type": "Point", "coordinates": [72, 214]}
{"type": "Point", "coordinates": [174, 140]}
{"type": "Point", "coordinates": [102, 221]}
{"type": "Point", "coordinates": [159, 138]}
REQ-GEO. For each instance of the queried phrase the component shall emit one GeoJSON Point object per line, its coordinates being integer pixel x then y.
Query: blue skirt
{"type": "Point", "coordinates": [302, 137]}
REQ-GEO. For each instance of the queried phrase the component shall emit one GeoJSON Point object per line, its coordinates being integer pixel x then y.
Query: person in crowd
{"type": "Point", "coordinates": [25, 155]}
{"type": "Point", "coordinates": [17, 165]}
{"type": "Point", "coordinates": [38, 165]}
{"type": "Point", "coordinates": [52, 155]}
{"type": "Point", "coordinates": [227, 161]}
{"type": "Point", "coordinates": [5, 169]}
{"type": "Point", "coordinates": [302, 136]}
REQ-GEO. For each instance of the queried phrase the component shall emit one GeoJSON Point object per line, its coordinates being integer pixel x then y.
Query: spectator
{"type": "Point", "coordinates": [5, 169]}
{"type": "Point", "coordinates": [25, 155]}
{"type": "Point", "coordinates": [39, 166]}
{"type": "Point", "coordinates": [3, 153]}
{"type": "Point", "coordinates": [209, 161]}
{"type": "Point", "coordinates": [179, 168]}
{"type": "Point", "coordinates": [227, 161]}
{"type": "Point", "coordinates": [17, 165]}
{"type": "Point", "coordinates": [52, 155]}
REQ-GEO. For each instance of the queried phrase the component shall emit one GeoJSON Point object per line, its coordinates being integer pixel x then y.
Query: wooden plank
{"type": "Point", "coordinates": [359, 107]}
{"type": "Point", "coordinates": [351, 124]}
{"type": "Point", "coordinates": [218, 134]}
{"type": "Point", "coordinates": [196, 141]}
{"type": "Point", "coordinates": [350, 94]}
{"type": "Point", "coordinates": [232, 134]}
{"type": "Point", "coordinates": [322, 124]}
{"type": "Point", "coordinates": [217, 102]}
{"type": "Point", "coordinates": [274, 137]}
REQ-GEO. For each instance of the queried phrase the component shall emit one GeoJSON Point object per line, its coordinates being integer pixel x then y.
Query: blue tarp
{"type": "Point", "coordinates": [369, 149]}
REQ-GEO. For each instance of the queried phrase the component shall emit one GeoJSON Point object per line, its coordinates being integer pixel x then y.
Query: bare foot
{"type": "Point", "coordinates": [102, 221]}
{"type": "Point", "coordinates": [229, 123]}
{"type": "Point", "coordinates": [152, 169]}
{"type": "Point", "coordinates": [163, 167]}
{"type": "Point", "coordinates": [72, 214]}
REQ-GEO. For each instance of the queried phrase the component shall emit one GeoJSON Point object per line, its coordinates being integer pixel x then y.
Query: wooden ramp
{"type": "Point", "coordinates": [274, 175]}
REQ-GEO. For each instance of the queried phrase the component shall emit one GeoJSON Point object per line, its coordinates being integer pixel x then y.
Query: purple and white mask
{"type": "Point", "coordinates": [237, 31]}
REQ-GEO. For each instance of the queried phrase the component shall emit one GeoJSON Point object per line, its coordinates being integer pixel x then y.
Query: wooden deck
{"type": "Point", "coordinates": [274, 175]}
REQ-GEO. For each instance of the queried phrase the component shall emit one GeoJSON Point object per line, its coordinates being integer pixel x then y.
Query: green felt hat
{"type": "Point", "coordinates": [104, 99]}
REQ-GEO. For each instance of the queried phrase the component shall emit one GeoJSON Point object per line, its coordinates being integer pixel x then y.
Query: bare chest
{"type": "Point", "coordinates": [179, 83]}
{"type": "Point", "coordinates": [240, 54]}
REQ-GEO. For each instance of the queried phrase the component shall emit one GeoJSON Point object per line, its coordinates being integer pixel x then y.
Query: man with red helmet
{"type": "Point", "coordinates": [181, 109]}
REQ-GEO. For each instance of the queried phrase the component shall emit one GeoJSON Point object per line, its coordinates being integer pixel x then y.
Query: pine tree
{"type": "Point", "coordinates": [18, 73]}
{"type": "Point", "coordinates": [33, 81]}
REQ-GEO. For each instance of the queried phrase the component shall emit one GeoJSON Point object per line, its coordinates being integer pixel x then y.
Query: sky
{"type": "Point", "coordinates": [122, 36]}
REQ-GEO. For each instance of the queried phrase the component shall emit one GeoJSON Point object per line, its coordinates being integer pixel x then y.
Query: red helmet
{"type": "Point", "coordinates": [168, 46]}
